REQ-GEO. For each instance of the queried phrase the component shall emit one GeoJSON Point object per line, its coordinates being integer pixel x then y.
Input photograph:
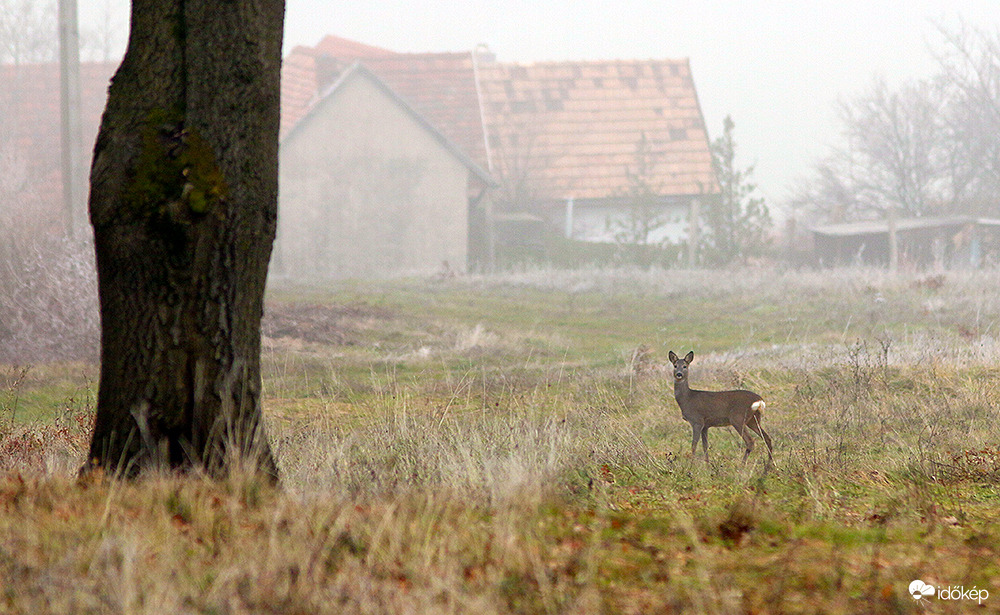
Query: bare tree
{"type": "Point", "coordinates": [893, 161]}
{"type": "Point", "coordinates": [27, 31]}
{"type": "Point", "coordinates": [926, 147]}
{"type": "Point", "coordinates": [517, 163]}
{"type": "Point", "coordinates": [895, 148]}
{"type": "Point", "coordinates": [183, 203]}
{"type": "Point", "coordinates": [104, 39]}
{"type": "Point", "coordinates": [829, 195]}
{"type": "Point", "coordinates": [970, 70]}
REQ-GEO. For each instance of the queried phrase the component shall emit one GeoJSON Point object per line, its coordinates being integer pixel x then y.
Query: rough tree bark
{"type": "Point", "coordinates": [183, 203]}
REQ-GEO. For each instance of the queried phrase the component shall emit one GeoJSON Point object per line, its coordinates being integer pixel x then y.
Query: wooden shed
{"type": "Point", "coordinates": [938, 242]}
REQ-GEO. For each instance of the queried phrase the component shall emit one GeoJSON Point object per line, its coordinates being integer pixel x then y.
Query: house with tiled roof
{"type": "Point", "coordinates": [586, 147]}
{"type": "Point", "coordinates": [30, 140]}
{"type": "Point", "coordinates": [381, 162]}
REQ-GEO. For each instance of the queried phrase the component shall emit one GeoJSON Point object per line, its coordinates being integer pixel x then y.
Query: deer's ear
{"type": "Point", "coordinates": [689, 357]}
{"type": "Point", "coordinates": [672, 357]}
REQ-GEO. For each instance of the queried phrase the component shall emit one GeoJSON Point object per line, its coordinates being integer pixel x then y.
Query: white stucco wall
{"type": "Point", "coordinates": [600, 223]}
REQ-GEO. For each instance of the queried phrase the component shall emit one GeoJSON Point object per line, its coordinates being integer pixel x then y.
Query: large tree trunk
{"type": "Point", "coordinates": [184, 202]}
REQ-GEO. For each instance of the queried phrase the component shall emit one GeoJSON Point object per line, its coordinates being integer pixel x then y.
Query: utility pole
{"type": "Point", "coordinates": [74, 203]}
{"type": "Point", "coordinates": [488, 210]}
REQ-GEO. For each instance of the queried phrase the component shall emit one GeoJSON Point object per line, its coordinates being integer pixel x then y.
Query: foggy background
{"type": "Point", "coordinates": [778, 68]}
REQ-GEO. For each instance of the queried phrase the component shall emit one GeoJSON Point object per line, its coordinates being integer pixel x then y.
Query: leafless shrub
{"type": "Point", "coordinates": [53, 447]}
{"type": "Point", "coordinates": [978, 465]}
{"type": "Point", "coordinates": [48, 299]}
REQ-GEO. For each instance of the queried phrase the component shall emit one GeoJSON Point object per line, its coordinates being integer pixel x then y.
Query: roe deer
{"type": "Point", "coordinates": [703, 409]}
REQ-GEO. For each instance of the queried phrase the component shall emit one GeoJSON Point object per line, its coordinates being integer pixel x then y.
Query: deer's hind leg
{"type": "Point", "coordinates": [754, 424]}
{"type": "Point", "coordinates": [748, 440]}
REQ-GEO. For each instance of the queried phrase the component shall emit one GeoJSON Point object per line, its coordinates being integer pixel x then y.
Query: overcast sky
{"type": "Point", "coordinates": [777, 66]}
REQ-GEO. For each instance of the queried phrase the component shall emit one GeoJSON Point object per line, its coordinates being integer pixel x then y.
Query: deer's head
{"type": "Point", "coordinates": [681, 365]}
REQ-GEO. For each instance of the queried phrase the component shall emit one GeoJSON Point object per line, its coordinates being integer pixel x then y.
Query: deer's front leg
{"type": "Point", "coordinates": [697, 429]}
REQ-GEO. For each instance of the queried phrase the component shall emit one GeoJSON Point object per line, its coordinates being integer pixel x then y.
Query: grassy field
{"type": "Point", "coordinates": [510, 444]}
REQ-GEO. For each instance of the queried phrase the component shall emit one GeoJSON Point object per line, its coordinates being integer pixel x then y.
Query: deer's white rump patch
{"type": "Point", "coordinates": [758, 405]}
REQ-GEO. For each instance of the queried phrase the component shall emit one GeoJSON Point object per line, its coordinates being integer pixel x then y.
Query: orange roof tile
{"type": "Point", "coordinates": [572, 129]}
{"type": "Point", "coordinates": [298, 86]}
{"type": "Point", "coordinates": [30, 102]}
{"type": "Point", "coordinates": [349, 50]}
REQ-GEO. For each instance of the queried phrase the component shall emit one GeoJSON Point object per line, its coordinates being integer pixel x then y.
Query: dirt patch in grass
{"type": "Point", "coordinates": [341, 325]}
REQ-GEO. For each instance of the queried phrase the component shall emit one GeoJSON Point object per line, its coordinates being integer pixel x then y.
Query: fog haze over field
{"type": "Point", "coordinates": [778, 67]}
{"type": "Point", "coordinates": [461, 374]}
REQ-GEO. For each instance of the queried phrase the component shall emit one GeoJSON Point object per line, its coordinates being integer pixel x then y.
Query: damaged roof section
{"type": "Point", "coordinates": [582, 124]}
